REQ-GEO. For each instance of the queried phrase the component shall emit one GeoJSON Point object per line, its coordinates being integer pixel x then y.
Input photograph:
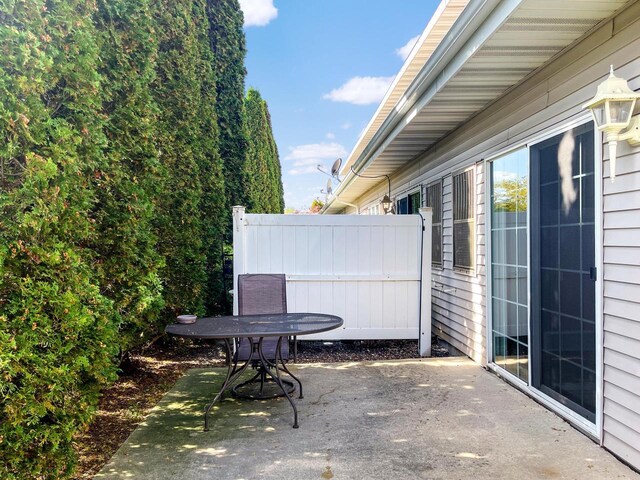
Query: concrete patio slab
{"type": "Point", "coordinates": [414, 419]}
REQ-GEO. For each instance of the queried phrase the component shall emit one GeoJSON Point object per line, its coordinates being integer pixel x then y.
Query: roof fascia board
{"type": "Point", "coordinates": [497, 17]}
{"type": "Point", "coordinates": [468, 34]}
{"type": "Point", "coordinates": [469, 19]}
{"type": "Point", "coordinates": [432, 23]}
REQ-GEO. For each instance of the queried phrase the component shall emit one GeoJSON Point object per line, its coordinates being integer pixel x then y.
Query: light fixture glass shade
{"type": "Point", "coordinates": [599, 116]}
{"type": "Point", "coordinates": [620, 111]}
{"type": "Point", "coordinates": [612, 109]}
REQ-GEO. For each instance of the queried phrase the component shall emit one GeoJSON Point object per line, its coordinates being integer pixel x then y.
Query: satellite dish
{"type": "Point", "coordinates": [329, 188]}
{"type": "Point", "coordinates": [335, 168]}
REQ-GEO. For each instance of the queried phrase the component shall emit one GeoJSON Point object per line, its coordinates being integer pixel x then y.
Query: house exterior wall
{"type": "Point", "coordinates": [545, 103]}
{"type": "Point", "coordinates": [622, 303]}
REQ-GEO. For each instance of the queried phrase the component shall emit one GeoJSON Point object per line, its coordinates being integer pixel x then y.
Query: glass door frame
{"type": "Point", "coordinates": [593, 430]}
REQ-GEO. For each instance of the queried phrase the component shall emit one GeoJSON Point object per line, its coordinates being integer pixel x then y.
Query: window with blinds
{"type": "Point", "coordinates": [433, 199]}
{"type": "Point", "coordinates": [464, 220]}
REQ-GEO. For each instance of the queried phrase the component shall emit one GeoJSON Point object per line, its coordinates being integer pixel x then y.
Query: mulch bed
{"type": "Point", "coordinates": [147, 375]}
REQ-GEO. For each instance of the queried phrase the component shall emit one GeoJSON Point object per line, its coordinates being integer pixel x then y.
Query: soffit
{"type": "Point", "coordinates": [533, 34]}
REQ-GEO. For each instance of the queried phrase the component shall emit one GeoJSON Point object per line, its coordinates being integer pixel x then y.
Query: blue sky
{"type": "Point", "coordinates": [323, 67]}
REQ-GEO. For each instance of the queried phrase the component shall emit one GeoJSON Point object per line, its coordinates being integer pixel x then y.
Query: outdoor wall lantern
{"type": "Point", "coordinates": [612, 110]}
{"type": "Point", "coordinates": [386, 204]}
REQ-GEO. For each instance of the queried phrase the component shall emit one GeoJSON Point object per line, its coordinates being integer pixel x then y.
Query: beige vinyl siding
{"type": "Point", "coordinates": [546, 101]}
{"type": "Point", "coordinates": [621, 245]}
{"type": "Point", "coordinates": [458, 300]}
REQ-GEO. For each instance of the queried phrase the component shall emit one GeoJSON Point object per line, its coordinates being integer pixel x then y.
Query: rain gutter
{"type": "Point", "coordinates": [475, 25]}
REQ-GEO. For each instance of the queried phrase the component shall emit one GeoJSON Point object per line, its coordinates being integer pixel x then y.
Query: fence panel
{"type": "Point", "coordinates": [366, 269]}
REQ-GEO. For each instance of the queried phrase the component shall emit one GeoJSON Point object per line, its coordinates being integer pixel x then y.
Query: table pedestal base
{"type": "Point", "coordinates": [254, 388]}
{"type": "Point", "coordinates": [267, 371]}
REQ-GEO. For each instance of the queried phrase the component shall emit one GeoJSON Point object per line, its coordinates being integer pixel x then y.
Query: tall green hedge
{"type": "Point", "coordinates": [128, 183]}
{"type": "Point", "coordinates": [262, 171]}
{"type": "Point", "coordinates": [190, 206]}
{"type": "Point", "coordinates": [114, 196]}
{"type": "Point", "coordinates": [228, 44]}
{"type": "Point", "coordinates": [57, 330]}
{"type": "Point", "coordinates": [123, 126]}
{"type": "Point", "coordinates": [213, 211]}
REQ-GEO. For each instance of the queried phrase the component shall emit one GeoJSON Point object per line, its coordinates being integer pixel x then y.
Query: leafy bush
{"type": "Point", "coordinates": [129, 179]}
{"type": "Point", "coordinates": [178, 89]}
{"type": "Point", "coordinates": [228, 44]}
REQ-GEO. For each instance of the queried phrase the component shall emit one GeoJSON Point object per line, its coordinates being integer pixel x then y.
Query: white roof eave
{"type": "Point", "coordinates": [477, 22]}
{"type": "Point", "coordinates": [491, 47]}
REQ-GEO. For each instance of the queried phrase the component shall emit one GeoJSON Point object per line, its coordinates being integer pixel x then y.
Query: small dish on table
{"type": "Point", "coordinates": [187, 318]}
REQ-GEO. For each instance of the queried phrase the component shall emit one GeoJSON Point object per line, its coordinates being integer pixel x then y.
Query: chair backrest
{"type": "Point", "coordinates": [262, 293]}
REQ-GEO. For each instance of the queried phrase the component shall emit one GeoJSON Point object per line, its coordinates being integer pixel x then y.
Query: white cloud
{"type": "Point", "coordinates": [404, 51]}
{"type": "Point", "coordinates": [360, 90]}
{"type": "Point", "coordinates": [316, 152]}
{"type": "Point", "coordinates": [306, 162]}
{"type": "Point", "coordinates": [258, 13]}
{"type": "Point", "coordinates": [345, 126]}
{"type": "Point", "coordinates": [306, 158]}
{"type": "Point", "coordinates": [330, 136]}
{"type": "Point", "coordinates": [303, 170]}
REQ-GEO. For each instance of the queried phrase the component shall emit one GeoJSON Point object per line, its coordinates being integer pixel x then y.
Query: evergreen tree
{"type": "Point", "coordinates": [127, 185]}
{"type": "Point", "coordinates": [57, 331]}
{"type": "Point", "coordinates": [275, 169]}
{"type": "Point", "coordinates": [186, 141]}
{"type": "Point", "coordinates": [228, 45]}
{"type": "Point", "coordinates": [262, 171]}
{"type": "Point", "coordinates": [176, 92]}
{"type": "Point", "coordinates": [212, 207]}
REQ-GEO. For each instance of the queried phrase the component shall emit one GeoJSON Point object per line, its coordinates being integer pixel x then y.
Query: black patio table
{"type": "Point", "coordinates": [255, 328]}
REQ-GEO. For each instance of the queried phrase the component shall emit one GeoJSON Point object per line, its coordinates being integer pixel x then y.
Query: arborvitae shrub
{"type": "Point", "coordinates": [129, 181]}
{"type": "Point", "coordinates": [212, 206]}
{"type": "Point", "coordinates": [57, 331]}
{"type": "Point", "coordinates": [262, 166]}
{"type": "Point", "coordinates": [227, 39]}
{"type": "Point", "coordinates": [276, 193]}
{"type": "Point", "coordinates": [183, 151]}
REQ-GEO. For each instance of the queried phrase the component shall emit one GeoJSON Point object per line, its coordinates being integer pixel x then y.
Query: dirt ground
{"type": "Point", "coordinates": [149, 374]}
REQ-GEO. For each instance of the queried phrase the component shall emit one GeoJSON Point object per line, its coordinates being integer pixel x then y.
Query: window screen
{"type": "Point", "coordinates": [433, 199]}
{"type": "Point", "coordinates": [463, 220]}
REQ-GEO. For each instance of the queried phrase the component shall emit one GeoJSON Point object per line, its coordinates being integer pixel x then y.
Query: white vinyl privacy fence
{"type": "Point", "coordinates": [367, 269]}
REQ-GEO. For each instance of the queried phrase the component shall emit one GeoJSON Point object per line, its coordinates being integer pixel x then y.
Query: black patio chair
{"type": "Point", "coordinates": [261, 294]}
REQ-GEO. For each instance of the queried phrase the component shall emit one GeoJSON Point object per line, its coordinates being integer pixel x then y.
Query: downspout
{"type": "Point", "coordinates": [420, 284]}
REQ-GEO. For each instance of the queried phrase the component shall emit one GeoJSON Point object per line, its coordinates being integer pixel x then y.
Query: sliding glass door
{"type": "Point", "coordinates": [543, 300]}
{"type": "Point", "coordinates": [563, 269]}
{"type": "Point", "coordinates": [509, 262]}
